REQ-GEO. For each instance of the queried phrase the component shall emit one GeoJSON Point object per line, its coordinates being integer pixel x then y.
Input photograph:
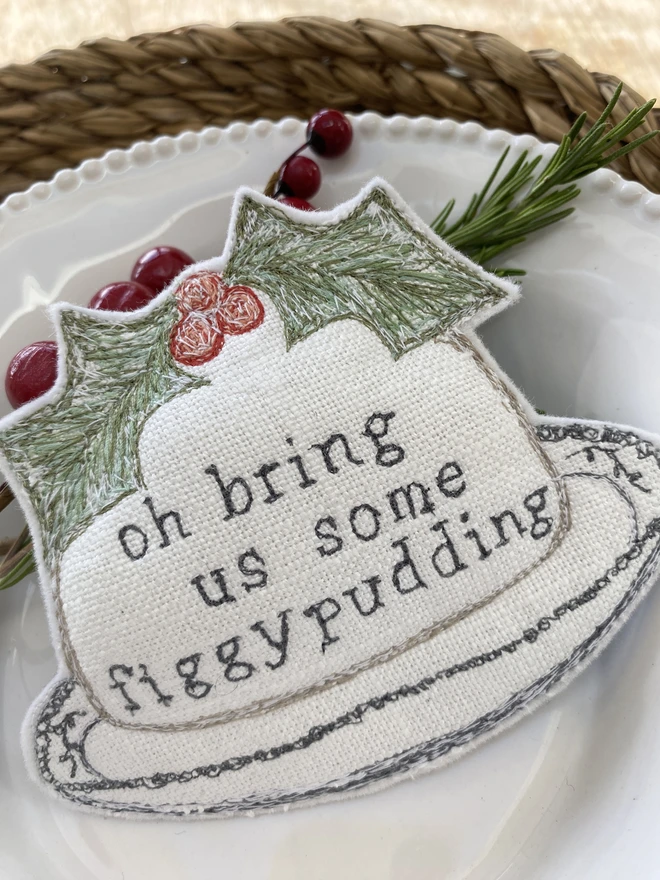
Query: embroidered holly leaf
{"type": "Point", "coordinates": [373, 266]}
{"type": "Point", "coordinates": [78, 456]}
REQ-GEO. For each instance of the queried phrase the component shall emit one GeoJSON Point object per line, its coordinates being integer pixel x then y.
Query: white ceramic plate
{"type": "Point", "coordinates": [572, 791]}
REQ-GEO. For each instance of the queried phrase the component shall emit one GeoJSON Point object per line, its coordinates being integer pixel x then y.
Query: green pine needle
{"type": "Point", "coordinates": [372, 266]}
{"type": "Point", "coordinates": [504, 214]}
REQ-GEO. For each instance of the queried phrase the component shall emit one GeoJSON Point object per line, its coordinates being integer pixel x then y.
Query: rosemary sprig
{"type": "Point", "coordinates": [18, 561]}
{"type": "Point", "coordinates": [498, 217]}
{"type": "Point", "coordinates": [503, 214]}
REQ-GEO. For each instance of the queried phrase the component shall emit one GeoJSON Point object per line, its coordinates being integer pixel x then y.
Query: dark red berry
{"type": "Point", "coordinates": [295, 202]}
{"type": "Point", "coordinates": [329, 133]}
{"type": "Point", "coordinates": [159, 266]}
{"type": "Point", "coordinates": [31, 372]}
{"type": "Point", "coordinates": [122, 296]}
{"type": "Point", "coordinates": [301, 177]}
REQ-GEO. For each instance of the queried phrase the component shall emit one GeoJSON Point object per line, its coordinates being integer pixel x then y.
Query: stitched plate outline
{"type": "Point", "coordinates": [431, 750]}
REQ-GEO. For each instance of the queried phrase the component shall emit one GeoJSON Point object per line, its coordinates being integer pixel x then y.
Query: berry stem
{"type": "Point", "coordinates": [274, 186]}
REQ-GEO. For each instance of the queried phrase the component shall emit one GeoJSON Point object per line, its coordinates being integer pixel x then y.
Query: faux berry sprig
{"type": "Point", "coordinates": [298, 179]}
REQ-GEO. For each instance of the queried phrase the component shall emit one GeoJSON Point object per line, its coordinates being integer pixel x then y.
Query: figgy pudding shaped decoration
{"type": "Point", "coordinates": [298, 534]}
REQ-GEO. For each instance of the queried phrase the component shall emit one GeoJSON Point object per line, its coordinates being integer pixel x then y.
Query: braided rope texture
{"type": "Point", "coordinates": [71, 105]}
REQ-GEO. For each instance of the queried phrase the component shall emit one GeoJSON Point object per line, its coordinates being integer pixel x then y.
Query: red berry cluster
{"type": "Point", "coordinates": [33, 370]}
{"type": "Point", "coordinates": [210, 310]}
{"type": "Point", "coordinates": [329, 134]}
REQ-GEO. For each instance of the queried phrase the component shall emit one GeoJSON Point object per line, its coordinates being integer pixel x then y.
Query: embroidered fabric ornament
{"type": "Point", "coordinates": [298, 535]}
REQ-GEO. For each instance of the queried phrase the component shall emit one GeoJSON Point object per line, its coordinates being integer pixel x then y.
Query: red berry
{"type": "Point", "coordinates": [240, 310]}
{"type": "Point", "coordinates": [301, 177]}
{"type": "Point", "coordinates": [31, 372]}
{"type": "Point", "coordinates": [122, 296]}
{"type": "Point", "coordinates": [295, 202]}
{"type": "Point", "coordinates": [196, 339]}
{"type": "Point", "coordinates": [159, 266]}
{"type": "Point", "coordinates": [199, 292]}
{"type": "Point", "coordinates": [329, 133]}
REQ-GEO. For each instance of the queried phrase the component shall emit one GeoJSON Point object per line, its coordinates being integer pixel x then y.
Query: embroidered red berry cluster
{"type": "Point", "coordinates": [210, 310]}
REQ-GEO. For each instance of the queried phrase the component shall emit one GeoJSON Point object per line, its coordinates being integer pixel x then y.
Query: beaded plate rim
{"type": "Point", "coordinates": [370, 125]}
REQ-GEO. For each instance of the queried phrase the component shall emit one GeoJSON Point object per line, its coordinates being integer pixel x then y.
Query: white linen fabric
{"type": "Point", "coordinates": [431, 498]}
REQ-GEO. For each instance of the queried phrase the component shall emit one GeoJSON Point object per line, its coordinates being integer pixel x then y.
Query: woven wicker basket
{"type": "Point", "coordinates": [73, 104]}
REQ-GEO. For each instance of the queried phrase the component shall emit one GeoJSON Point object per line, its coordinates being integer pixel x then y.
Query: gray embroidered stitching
{"type": "Point", "coordinates": [315, 734]}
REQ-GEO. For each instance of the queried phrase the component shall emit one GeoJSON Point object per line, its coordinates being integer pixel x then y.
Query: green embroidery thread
{"type": "Point", "coordinates": [372, 266]}
{"type": "Point", "coordinates": [78, 456]}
